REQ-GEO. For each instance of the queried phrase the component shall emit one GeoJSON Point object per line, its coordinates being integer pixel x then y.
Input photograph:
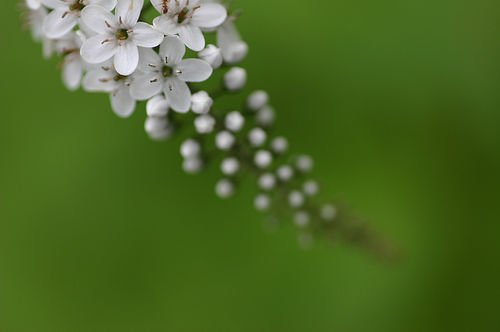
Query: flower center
{"type": "Point", "coordinates": [183, 15]}
{"type": "Point", "coordinates": [118, 78]}
{"type": "Point", "coordinates": [167, 71]}
{"type": "Point", "coordinates": [122, 34]}
{"type": "Point", "coordinates": [77, 6]}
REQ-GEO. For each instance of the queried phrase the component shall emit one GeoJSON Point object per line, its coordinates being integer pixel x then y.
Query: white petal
{"type": "Point", "coordinates": [146, 85]}
{"type": "Point", "coordinates": [157, 106]}
{"type": "Point", "coordinates": [178, 94]}
{"type": "Point", "coordinates": [33, 4]}
{"type": "Point", "coordinates": [107, 4]}
{"type": "Point", "coordinates": [145, 35]}
{"type": "Point", "coordinates": [149, 60]}
{"type": "Point", "coordinates": [59, 22]}
{"type": "Point", "coordinates": [99, 20]}
{"type": "Point", "coordinates": [160, 6]}
{"type": "Point", "coordinates": [192, 37]}
{"type": "Point", "coordinates": [52, 4]}
{"type": "Point", "coordinates": [194, 70]}
{"type": "Point", "coordinates": [98, 49]}
{"type": "Point", "coordinates": [126, 58]}
{"type": "Point", "coordinates": [72, 71]}
{"type": "Point", "coordinates": [128, 12]}
{"type": "Point", "coordinates": [172, 50]}
{"type": "Point", "coordinates": [209, 15]}
{"type": "Point", "coordinates": [122, 102]}
{"type": "Point", "coordinates": [100, 80]}
{"type": "Point", "coordinates": [166, 24]}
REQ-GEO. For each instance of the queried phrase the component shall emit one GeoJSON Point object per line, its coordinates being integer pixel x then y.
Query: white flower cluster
{"type": "Point", "coordinates": [107, 46]}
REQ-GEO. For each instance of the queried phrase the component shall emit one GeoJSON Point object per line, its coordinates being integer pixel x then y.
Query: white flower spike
{"type": "Point", "coordinates": [118, 36]}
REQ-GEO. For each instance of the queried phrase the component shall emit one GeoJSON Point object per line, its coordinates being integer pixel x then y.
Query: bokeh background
{"type": "Point", "coordinates": [399, 103]}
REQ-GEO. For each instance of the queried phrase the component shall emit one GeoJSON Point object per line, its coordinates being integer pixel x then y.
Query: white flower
{"type": "Point", "coordinates": [263, 158]}
{"type": "Point", "coordinates": [201, 102]}
{"type": "Point", "coordinates": [233, 49]}
{"type": "Point", "coordinates": [204, 124]}
{"type": "Point", "coordinates": [212, 54]}
{"type": "Point", "coordinates": [168, 72]}
{"type": "Point", "coordinates": [230, 166]}
{"type": "Point", "coordinates": [65, 14]}
{"type": "Point", "coordinates": [234, 121]}
{"type": "Point", "coordinates": [235, 79]}
{"type": "Point", "coordinates": [224, 188]}
{"type": "Point", "coordinates": [118, 36]}
{"type": "Point", "coordinates": [186, 18]}
{"type": "Point", "coordinates": [157, 106]}
{"type": "Point", "coordinates": [106, 79]}
{"type": "Point", "coordinates": [257, 100]}
{"type": "Point", "coordinates": [257, 137]}
{"type": "Point", "coordinates": [224, 140]}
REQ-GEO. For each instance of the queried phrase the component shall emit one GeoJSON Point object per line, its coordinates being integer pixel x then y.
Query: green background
{"type": "Point", "coordinates": [399, 103]}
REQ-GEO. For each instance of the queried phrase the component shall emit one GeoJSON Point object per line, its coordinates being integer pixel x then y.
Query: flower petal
{"type": "Point", "coordinates": [209, 15]}
{"type": "Point", "coordinates": [72, 71]}
{"type": "Point", "coordinates": [194, 70]}
{"type": "Point", "coordinates": [144, 35]}
{"type": "Point", "coordinates": [122, 102]}
{"type": "Point", "coordinates": [157, 106]}
{"type": "Point", "coordinates": [100, 80]}
{"type": "Point", "coordinates": [59, 22]}
{"type": "Point", "coordinates": [192, 37]}
{"type": "Point", "coordinates": [98, 49]}
{"type": "Point", "coordinates": [146, 85]}
{"type": "Point", "coordinates": [149, 61]}
{"type": "Point", "coordinates": [128, 12]}
{"type": "Point", "coordinates": [107, 4]}
{"type": "Point", "coordinates": [172, 50]}
{"type": "Point", "coordinates": [160, 6]}
{"type": "Point", "coordinates": [166, 24]}
{"type": "Point", "coordinates": [178, 94]}
{"type": "Point", "coordinates": [99, 20]}
{"type": "Point", "coordinates": [126, 58]}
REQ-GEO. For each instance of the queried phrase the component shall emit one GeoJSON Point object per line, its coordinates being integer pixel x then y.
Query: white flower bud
{"type": "Point", "coordinates": [279, 145]}
{"type": "Point", "coordinates": [192, 165]}
{"type": "Point", "coordinates": [230, 166]}
{"type": "Point", "coordinates": [157, 106]}
{"type": "Point", "coordinates": [235, 79]}
{"type": "Point", "coordinates": [211, 54]}
{"type": "Point", "coordinates": [257, 137]}
{"type": "Point", "coordinates": [310, 188]}
{"type": "Point", "coordinates": [328, 212]}
{"type": "Point", "coordinates": [236, 52]}
{"type": "Point", "coordinates": [257, 100]}
{"type": "Point", "coordinates": [224, 188]}
{"type": "Point", "coordinates": [263, 158]}
{"type": "Point", "coordinates": [204, 124]}
{"type": "Point", "coordinates": [265, 116]}
{"type": "Point", "coordinates": [285, 173]}
{"type": "Point", "coordinates": [190, 148]}
{"type": "Point", "coordinates": [224, 140]}
{"type": "Point", "coordinates": [157, 128]}
{"type": "Point", "coordinates": [296, 199]}
{"type": "Point", "coordinates": [267, 181]}
{"type": "Point", "coordinates": [262, 202]}
{"type": "Point", "coordinates": [235, 121]}
{"type": "Point", "coordinates": [201, 102]}
{"type": "Point", "coordinates": [304, 163]}
{"type": "Point", "coordinates": [301, 219]}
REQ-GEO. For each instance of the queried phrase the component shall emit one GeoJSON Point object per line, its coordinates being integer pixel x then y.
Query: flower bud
{"type": "Point", "coordinates": [257, 100]}
{"type": "Point", "coordinates": [279, 145]}
{"type": "Point", "coordinates": [211, 54]}
{"type": "Point", "coordinates": [201, 102]}
{"type": "Point", "coordinates": [224, 140]}
{"type": "Point", "coordinates": [263, 159]}
{"type": "Point", "coordinates": [157, 106]}
{"type": "Point", "coordinates": [265, 116]}
{"type": "Point", "coordinates": [235, 79]}
{"type": "Point", "coordinates": [328, 212]}
{"type": "Point", "coordinates": [230, 166]}
{"type": "Point", "coordinates": [310, 188]}
{"type": "Point", "coordinates": [257, 137]}
{"type": "Point", "coordinates": [204, 124]}
{"type": "Point", "coordinates": [304, 163]}
{"type": "Point", "coordinates": [267, 181]}
{"type": "Point", "coordinates": [285, 173]}
{"type": "Point", "coordinates": [236, 52]}
{"type": "Point", "coordinates": [224, 188]}
{"type": "Point", "coordinates": [262, 202]}
{"type": "Point", "coordinates": [235, 121]}
{"type": "Point", "coordinates": [302, 219]}
{"type": "Point", "coordinates": [192, 165]}
{"type": "Point", "coordinates": [190, 148]}
{"type": "Point", "coordinates": [296, 199]}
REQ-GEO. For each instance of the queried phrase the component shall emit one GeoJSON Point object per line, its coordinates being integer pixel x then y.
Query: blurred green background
{"type": "Point", "coordinates": [399, 103]}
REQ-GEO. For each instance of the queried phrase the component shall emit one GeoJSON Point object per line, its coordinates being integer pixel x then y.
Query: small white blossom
{"type": "Point", "coordinates": [257, 100]}
{"type": "Point", "coordinates": [204, 124]}
{"type": "Point", "coordinates": [190, 148]}
{"type": "Point", "coordinates": [224, 140]}
{"type": "Point", "coordinates": [65, 14]}
{"type": "Point", "coordinates": [266, 116]}
{"type": "Point", "coordinates": [201, 102]}
{"type": "Point", "coordinates": [257, 137]}
{"type": "Point", "coordinates": [296, 199]}
{"type": "Point", "coordinates": [262, 202]}
{"type": "Point", "coordinates": [234, 121]}
{"type": "Point", "coordinates": [212, 55]}
{"type": "Point", "coordinates": [158, 128]}
{"type": "Point", "coordinates": [310, 188]}
{"type": "Point", "coordinates": [157, 106]}
{"type": "Point", "coordinates": [235, 79]}
{"type": "Point", "coordinates": [279, 145]}
{"type": "Point", "coordinates": [267, 181]}
{"type": "Point", "coordinates": [224, 188]}
{"type": "Point", "coordinates": [186, 18]}
{"type": "Point", "coordinates": [263, 159]}
{"type": "Point", "coordinates": [304, 163]}
{"type": "Point", "coordinates": [285, 173]}
{"type": "Point", "coordinates": [168, 72]}
{"type": "Point", "coordinates": [119, 36]}
{"type": "Point", "coordinates": [230, 166]}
